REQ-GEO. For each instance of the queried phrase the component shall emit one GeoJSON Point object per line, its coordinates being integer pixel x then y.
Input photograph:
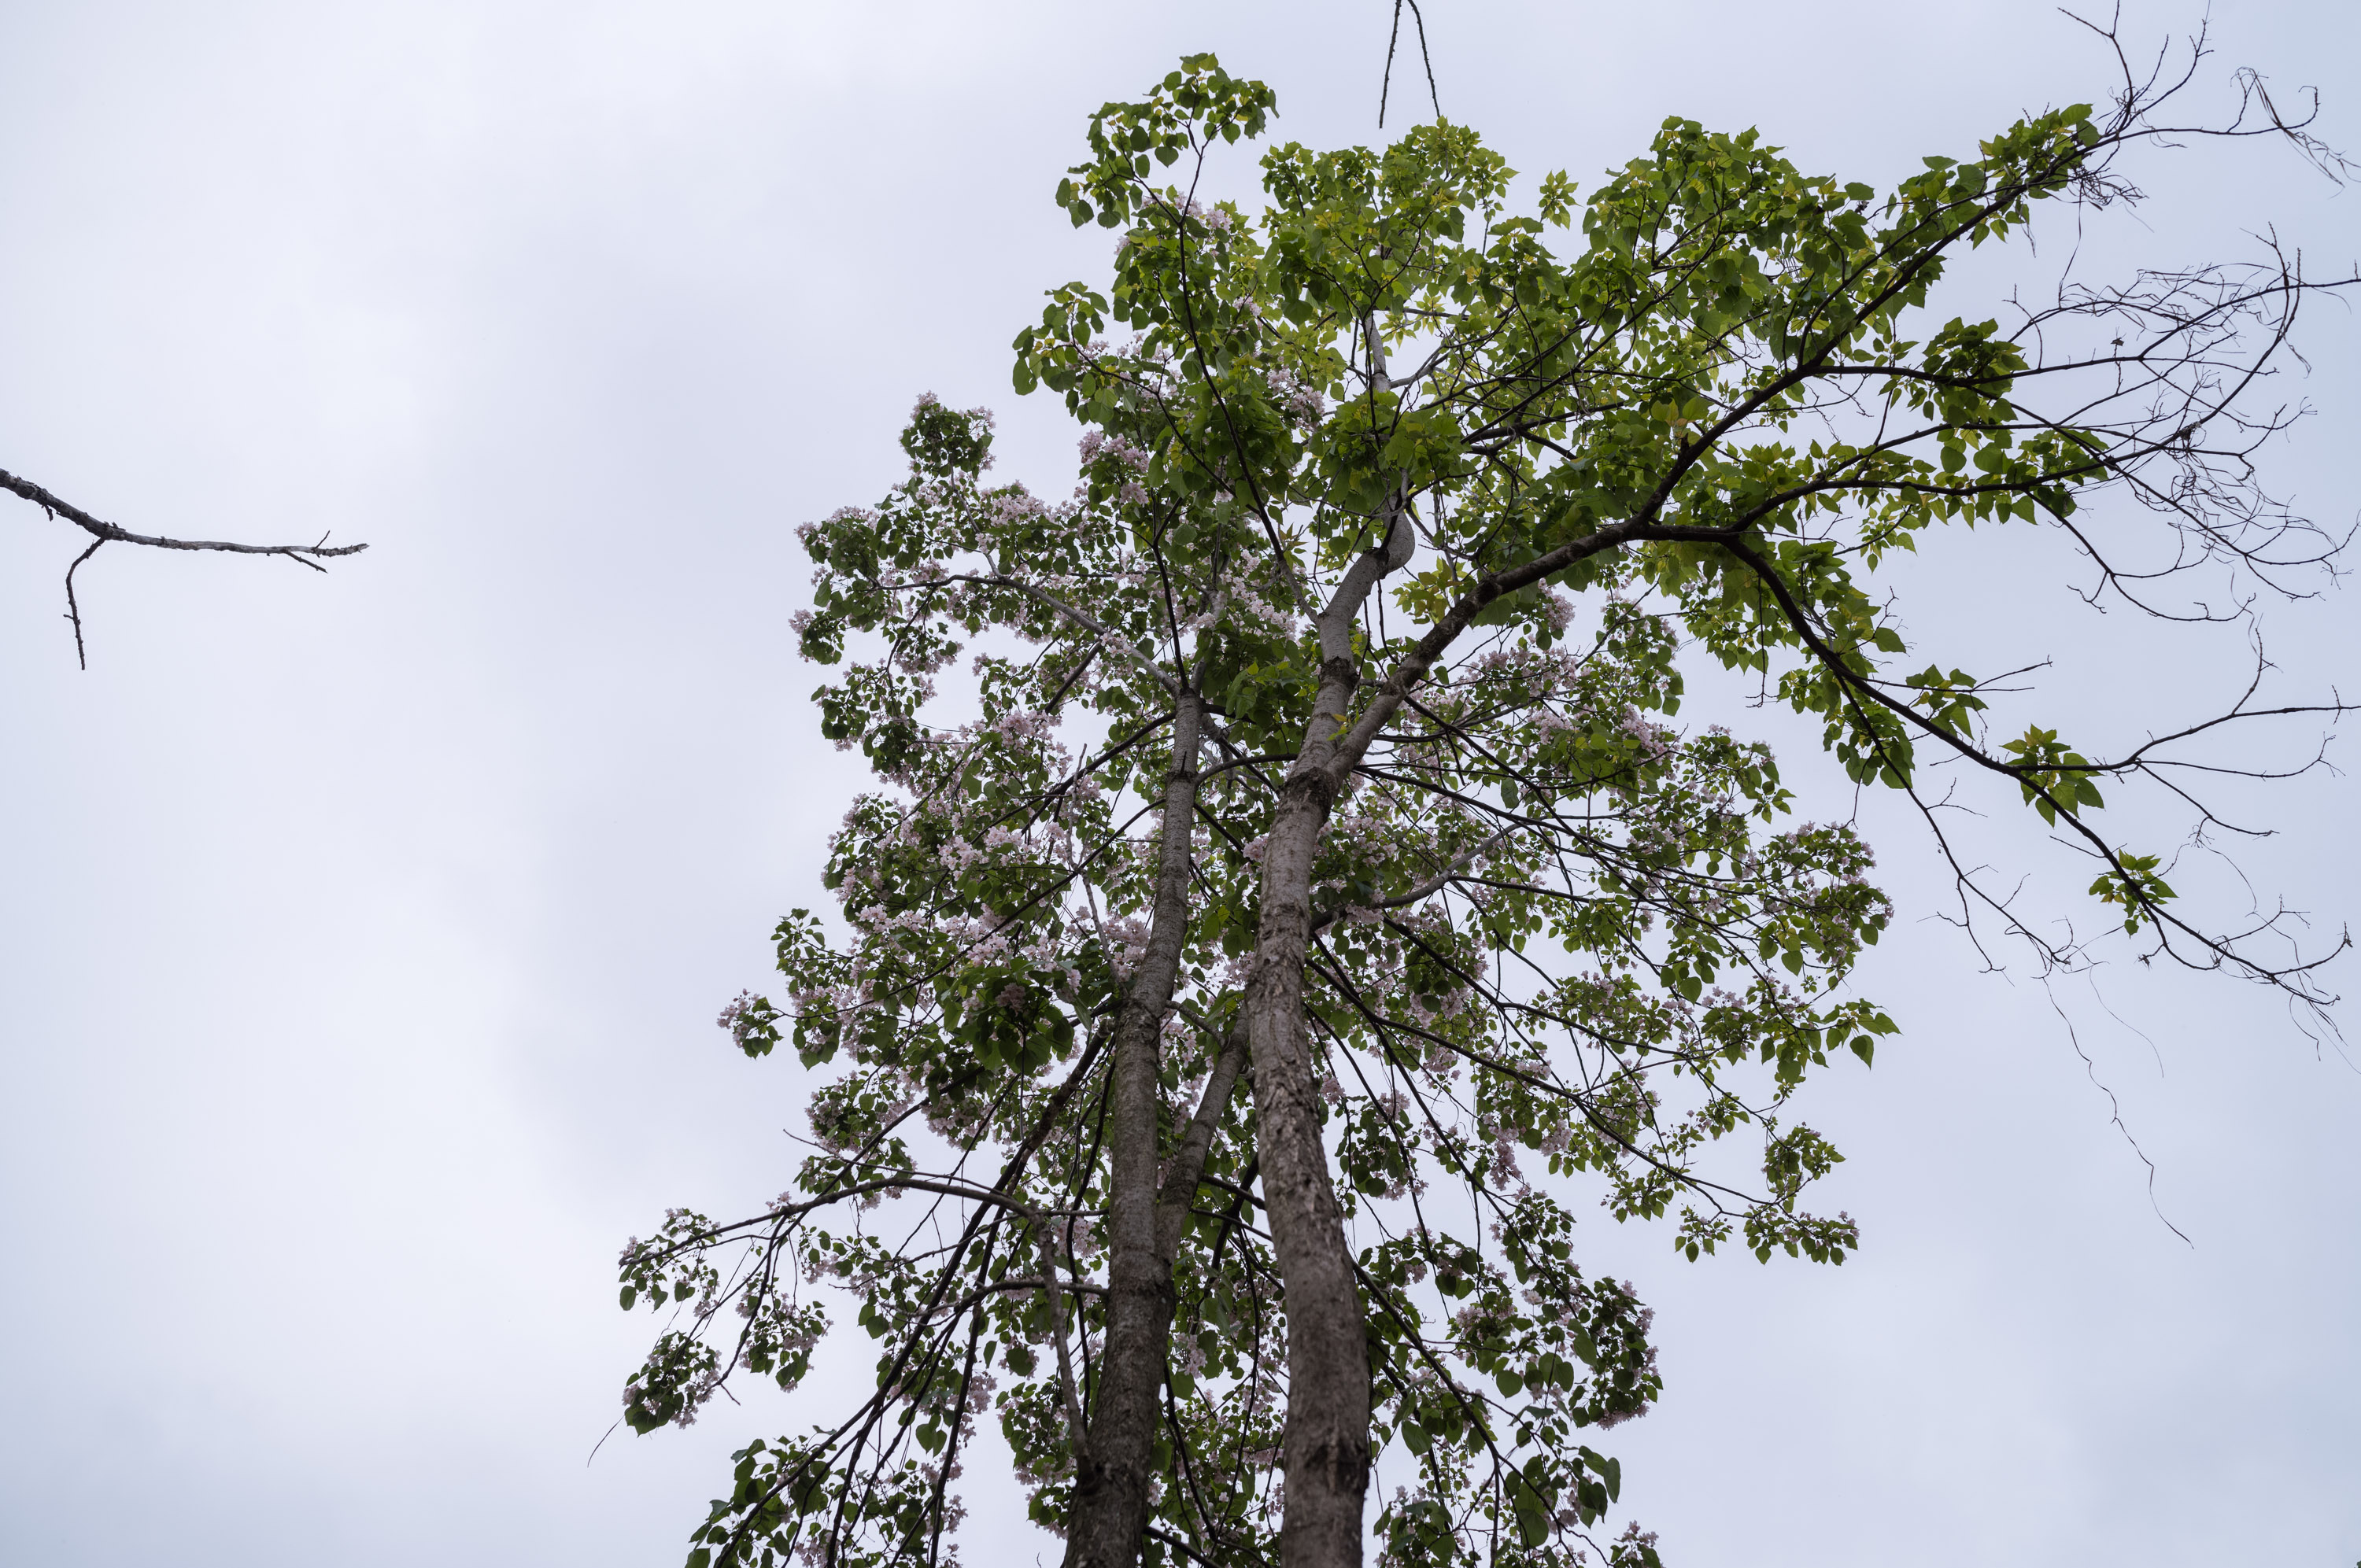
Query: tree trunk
{"type": "Point", "coordinates": [1327, 1442]}
{"type": "Point", "coordinates": [1109, 1518]}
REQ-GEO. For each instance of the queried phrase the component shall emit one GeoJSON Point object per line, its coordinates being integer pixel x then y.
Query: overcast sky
{"type": "Point", "coordinates": [363, 934]}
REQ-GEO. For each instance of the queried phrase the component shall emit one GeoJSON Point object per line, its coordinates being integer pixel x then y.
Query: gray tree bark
{"type": "Point", "coordinates": [1326, 1440]}
{"type": "Point", "coordinates": [1109, 1518]}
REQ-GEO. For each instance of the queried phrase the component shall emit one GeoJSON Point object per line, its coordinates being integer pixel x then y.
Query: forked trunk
{"type": "Point", "coordinates": [1326, 1440]}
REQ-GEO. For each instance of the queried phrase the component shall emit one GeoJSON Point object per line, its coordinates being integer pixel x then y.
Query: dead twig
{"type": "Point", "coordinates": [102, 532]}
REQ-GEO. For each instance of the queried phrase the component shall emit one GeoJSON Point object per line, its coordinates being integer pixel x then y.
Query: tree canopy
{"type": "Point", "coordinates": [1312, 889]}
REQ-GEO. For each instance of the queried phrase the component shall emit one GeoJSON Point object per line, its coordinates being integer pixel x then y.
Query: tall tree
{"type": "Point", "coordinates": [1323, 741]}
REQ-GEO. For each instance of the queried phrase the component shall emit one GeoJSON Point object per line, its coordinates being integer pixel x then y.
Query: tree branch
{"type": "Point", "coordinates": [102, 532]}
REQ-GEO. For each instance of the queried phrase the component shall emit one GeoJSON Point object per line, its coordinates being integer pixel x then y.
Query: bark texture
{"type": "Point", "coordinates": [1327, 1442]}
{"type": "Point", "coordinates": [1111, 1481]}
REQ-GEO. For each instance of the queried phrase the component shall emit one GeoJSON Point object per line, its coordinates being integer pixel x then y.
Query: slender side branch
{"type": "Point", "coordinates": [103, 532]}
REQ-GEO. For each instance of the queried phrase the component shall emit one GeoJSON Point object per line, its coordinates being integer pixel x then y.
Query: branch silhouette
{"type": "Point", "coordinates": [104, 533]}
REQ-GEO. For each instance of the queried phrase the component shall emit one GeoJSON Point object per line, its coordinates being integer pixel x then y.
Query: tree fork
{"type": "Point", "coordinates": [1326, 1440]}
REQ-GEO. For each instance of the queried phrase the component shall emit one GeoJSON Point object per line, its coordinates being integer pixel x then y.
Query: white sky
{"type": "Point", "coordinates": [363, 934]}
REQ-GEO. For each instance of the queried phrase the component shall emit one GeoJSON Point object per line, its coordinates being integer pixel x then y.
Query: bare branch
{"type": "Point", "coordinates": [104, 533]}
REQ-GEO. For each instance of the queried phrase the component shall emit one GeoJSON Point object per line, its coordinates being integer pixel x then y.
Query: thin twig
{"type": "Point", "coordinates": [102, 532]}
{"type": "Point", "coordinates": [1386, 86]}
{"type": "Point", "coordinates": [74, 611]}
